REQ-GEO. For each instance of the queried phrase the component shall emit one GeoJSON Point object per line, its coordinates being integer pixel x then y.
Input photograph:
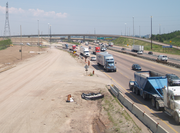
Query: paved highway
{"type": "Point", "coordinates": [124, 74]}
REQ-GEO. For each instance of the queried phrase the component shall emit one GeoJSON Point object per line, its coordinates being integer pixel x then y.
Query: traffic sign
{"type": "Point", "coordinates": [86, 67]}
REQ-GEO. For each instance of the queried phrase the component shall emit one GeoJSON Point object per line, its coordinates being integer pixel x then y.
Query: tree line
{"type": "Point", "coordinates": [164, 37]}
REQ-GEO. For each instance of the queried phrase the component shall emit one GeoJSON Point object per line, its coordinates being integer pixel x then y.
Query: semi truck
{"type": "Point", "coordinates": [154, 86]}
{"type": "Point", "coordinates": [84, 51]}
{"type": "Point", "coordinates": [106, 60]}
{"type": "Point", "coordinates": [111, 44]}
{"type": "Point", "coordinates": [72, 47]}
{"type": "Point", "coordinates": [96, 50]}
{"type": "Point", "coordinates": [103, 48]}
{"type": "Point", "coordinates": [65, 46]}
{"type": "Point", "coordinates": [137, 48]}
{"type": "Point", "coordinates": [86, 43]}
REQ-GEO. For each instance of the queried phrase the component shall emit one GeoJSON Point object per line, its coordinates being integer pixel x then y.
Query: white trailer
{"type": "Point", "coordinates": [111, 44]}
{"type": "Point", "coordinates": [84, 51]}
{"type": "Point", "coordinates": [106, 60]}
{"type": "Point", "coordinates": [137, 48]}
{"type": "Point", "coordinates": [86, 43]}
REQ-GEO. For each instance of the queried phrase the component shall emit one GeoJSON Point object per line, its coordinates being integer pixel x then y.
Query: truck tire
{"type": "Point", "coordinates": [134, 90]}
{"type": "Point", "coordinates": [144, 96]}
{"type": "Point", "coordinates": [153, 102]}
{"type": "Point", "coordinates": [157, 106]}
{"type": "Point", "coordinates": [137, 91]}
{"type": "Point", "coordinates": [176, 118]}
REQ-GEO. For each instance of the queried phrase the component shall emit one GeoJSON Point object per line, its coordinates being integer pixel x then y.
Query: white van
{"type": "Point", "coordinates": [162, 58]}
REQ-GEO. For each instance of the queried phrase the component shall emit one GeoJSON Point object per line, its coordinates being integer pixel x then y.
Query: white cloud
{"type": "Point", "coordinates": [34, 12]}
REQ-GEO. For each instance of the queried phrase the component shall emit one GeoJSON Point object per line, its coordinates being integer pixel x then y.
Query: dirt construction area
{"type": "Point", "coordinates": [34, 91]}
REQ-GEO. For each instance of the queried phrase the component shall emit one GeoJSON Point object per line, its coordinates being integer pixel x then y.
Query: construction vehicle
{"type": "Point", "coordinates": [154, 86]}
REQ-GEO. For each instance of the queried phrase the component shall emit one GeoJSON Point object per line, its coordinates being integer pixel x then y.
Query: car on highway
{"type": "Point", "coordinates": [136, 67]}
{"type": "Point", "coordinates": [93, 58]}
{"type": "Point", "coordinates": [162, 58]}
{"type": "Point", "coordinates": [173, 80]}
{"type": "Point", "coordinates": [150, 52]}
{"type": "Point", "coordinates": [123, 49]}
{"type": "Point", "coordinates": [89, 47]}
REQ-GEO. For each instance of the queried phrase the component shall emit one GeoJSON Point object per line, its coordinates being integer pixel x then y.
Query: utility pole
{"type": "Point", "coordinates": [151, 32]}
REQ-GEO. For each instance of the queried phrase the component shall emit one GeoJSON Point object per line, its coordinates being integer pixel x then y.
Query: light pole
{"type": "Point", "coordinates": [38, 32]}
{"type": "Point", "coordinates": [125, 29]}
{"type": "Point", "coordinates": [50, 34]}
{"type": "Point", "coordinates": [133, 30]}
{"type": "Point", "coordinates": [48, 28]}
{"type": "Point", "coordinates": [151, 32]}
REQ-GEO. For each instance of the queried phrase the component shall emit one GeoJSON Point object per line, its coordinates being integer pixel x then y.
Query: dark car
{"type": "Point", "coordinates": [123, 49]}
{"type": "Point", "coordinates": [150, 52]}
{"type": "Point", "coordinates": [136, 67]}
{"type": "Point", "coordinates": [173, 80]}
{"type": "Point", "coordinates": [89, 47]}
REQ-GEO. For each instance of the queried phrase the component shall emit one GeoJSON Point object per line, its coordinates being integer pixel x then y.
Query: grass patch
{"type": "Point", "coordinates": [121, 41]}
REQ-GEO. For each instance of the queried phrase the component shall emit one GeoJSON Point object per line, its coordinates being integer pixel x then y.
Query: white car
{"type": "Point", "coordinates": [162, 58]}
{"type": "Point", "coordinates": [93, 58]}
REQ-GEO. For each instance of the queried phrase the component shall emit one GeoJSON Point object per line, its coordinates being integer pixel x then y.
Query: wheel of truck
{"type": "Point", "coordinates": [176, 118]}
{"type": "Point", "coordinates": [134, 90]}
{"type": "Point", "coordinates": [153, 102]}
{"type": "Point", "coordinates": [137, 92]}
{"type": "Point", "coordinates": [157, 106]}
{"type": "Point", "coordinates": [144, 96]}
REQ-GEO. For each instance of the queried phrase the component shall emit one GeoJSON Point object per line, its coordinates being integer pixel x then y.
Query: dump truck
{"type": "Point", "coordinates": [106, 60]}
{"type": "Point", "coordinates": [154, 86]}
{"type": "Point", "coordinates": [149, 85]}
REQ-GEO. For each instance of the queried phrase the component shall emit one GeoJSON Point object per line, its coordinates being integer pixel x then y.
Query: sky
{"type": "Point", "coordinates": [114, 17]}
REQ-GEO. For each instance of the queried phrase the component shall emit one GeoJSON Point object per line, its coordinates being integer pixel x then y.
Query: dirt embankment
{"type": "Point", "coordinates": [34, 93]}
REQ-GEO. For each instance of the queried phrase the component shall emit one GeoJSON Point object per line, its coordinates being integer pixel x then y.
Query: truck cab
{"type": "Point", "coordinates": [172, 102]}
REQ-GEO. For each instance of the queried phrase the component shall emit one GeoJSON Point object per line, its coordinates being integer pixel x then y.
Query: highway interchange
{"type": "Point", "coordinates": [124, 74]}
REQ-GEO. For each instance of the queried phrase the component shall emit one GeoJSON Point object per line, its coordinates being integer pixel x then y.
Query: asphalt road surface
{"type": "Point", "coordinates": [124, 74]}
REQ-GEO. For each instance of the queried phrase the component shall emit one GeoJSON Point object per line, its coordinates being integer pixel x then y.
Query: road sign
{"type": "Point", "coordinates": [100, 37]}
{"type": "Point", "coordinates": [170, 41]}
{"type": "Point", "coordinates": [86, 67]}
{"type": "Point", "coordinates": [170, 46]}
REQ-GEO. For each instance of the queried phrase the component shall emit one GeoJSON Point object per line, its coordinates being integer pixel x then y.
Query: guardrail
{"type": "Point", "coordinates": [141, 115]}
{"type": "Point", "coordinates": [147, 58]}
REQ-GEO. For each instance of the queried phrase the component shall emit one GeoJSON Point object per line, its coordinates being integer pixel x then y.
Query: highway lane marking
{"type": "Point", "coordinates": [167, 72]}
{"type": "Point", "coordinates": [147, 61]}
{"type": "Point", "coordinates": [142, 103]}
{"type": "Point", "coordinates": [124, 75]}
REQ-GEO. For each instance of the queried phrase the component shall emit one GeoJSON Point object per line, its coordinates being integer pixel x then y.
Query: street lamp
{"type": "Point", "coordinates": [125, 29]}
{"type": "Point", "coordinates": [133, 30]}
{"type": "Point", "coordinates": [50, 34]}
{"type": "Point", "coordinates": [38, 32]}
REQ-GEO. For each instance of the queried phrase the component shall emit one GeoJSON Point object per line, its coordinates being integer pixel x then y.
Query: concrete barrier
{"type": "Point", "coordinates": [141, 115]}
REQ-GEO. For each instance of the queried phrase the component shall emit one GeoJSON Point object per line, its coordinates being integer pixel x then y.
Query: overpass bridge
{"type": "Point", "coordinates": [85, 36]}
{"type": "Point", "coordinates": [68, 36]}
